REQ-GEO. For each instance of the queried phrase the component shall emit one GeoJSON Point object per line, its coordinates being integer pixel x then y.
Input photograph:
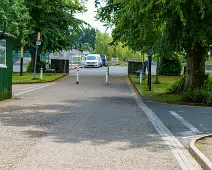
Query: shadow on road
{"type": "Point", "coordinates": [100, 120]}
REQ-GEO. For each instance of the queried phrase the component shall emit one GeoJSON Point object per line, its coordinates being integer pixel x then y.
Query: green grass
{"type": "Point", "coordinates": [29, 78]}
{"type": "Point", "coordinates": [158, 91]}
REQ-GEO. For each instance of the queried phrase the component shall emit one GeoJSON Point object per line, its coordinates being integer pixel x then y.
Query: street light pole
{"type": "Point", "coordinates": [36, 53]}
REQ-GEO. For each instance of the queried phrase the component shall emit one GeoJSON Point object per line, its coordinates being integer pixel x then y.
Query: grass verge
{"type": "Point", "coordinates": [158, 91]}
{"type": "Point", "coordinates": [29, 78]}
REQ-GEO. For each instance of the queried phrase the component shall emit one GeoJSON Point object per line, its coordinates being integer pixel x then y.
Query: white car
{"type": "Point", "coordinates": [93, 60]}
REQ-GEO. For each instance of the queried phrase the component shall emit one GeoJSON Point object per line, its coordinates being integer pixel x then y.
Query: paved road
{"type": "Point", "coordinates": [185, 122]}
{"type": "Point", "coordinates": [85, 126]}
{"type": "Point", "coordinates": [19, 89]}
{"type": "Point", "coordinates": [113, 70]}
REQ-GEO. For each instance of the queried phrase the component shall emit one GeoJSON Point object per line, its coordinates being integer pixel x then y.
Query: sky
{"type": "Point", "coordinates": [89, 16]}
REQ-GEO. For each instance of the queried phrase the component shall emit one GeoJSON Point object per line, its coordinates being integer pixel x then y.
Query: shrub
{"type": "Point", "coordinates": [207, 83]}
{"type": "Point", "coordinates": [39, 65]}
{"type": "Point", "coordinates": [177, 87]}
{"type": "Point", "coordinates": [198, 96]}
{"type": "Point", "coordinates": [170, 66]}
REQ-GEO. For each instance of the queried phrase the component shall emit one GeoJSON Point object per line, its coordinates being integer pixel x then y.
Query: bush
{"type": "Point", "coordinates": [170, 66]}
{"type": "Point", "coordinates": [177, 87]}
{"type": "Point", "coordinates": [39, 65]}
{"type": "Point", "coordinates": [198, 96]}
{"type": "Point", "coordinates": [207, 83]}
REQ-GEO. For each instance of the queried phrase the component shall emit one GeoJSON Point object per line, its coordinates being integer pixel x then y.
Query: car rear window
{"type": "Point", "coordinates": [91, 58]}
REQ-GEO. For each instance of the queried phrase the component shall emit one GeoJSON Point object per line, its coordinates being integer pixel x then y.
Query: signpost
{"type": "Point", "coordinates": [38, 42]}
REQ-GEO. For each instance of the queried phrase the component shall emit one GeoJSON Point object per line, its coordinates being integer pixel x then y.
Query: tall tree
{"type": "Point", "coordinates": [167, 26]}
{"type": "Point", "coordinates": [56, 22]}
{"type": "Point", "coordinates": [87, 39]}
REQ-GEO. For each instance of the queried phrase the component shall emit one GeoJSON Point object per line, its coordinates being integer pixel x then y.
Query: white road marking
{"type": "Point", "coordinates": [182, 155]}
{"type": "Point", "coordinates": [183, 121]}
{"type": "Point", "coordinates": [34, 89]}
{"type": "Point", "coordinates": [28, 87]}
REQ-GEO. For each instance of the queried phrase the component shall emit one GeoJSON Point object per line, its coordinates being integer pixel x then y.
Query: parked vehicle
{"type": "Point", "coordinates": [104, 61]}
{"type": "Point", "coordinates": [93, 60]}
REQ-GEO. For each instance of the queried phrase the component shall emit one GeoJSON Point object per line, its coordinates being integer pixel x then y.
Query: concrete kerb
{"type": "Point", "coordinates": [165, 102]}
{"type": "Point", "coordinates": [205, 163]}
{"type": "Point", "coordinates": [199, 156]}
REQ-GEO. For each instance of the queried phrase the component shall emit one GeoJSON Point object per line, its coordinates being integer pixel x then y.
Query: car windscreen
{"type": "Point", "coordinates": [91, 58]}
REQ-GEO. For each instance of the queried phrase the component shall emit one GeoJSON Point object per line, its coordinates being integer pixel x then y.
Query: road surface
{"type": "Point", "coordinates": [92, 125]}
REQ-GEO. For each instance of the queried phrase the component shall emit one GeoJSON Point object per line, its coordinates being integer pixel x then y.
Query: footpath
{"type": "Point", "coordinates": [87, 126]}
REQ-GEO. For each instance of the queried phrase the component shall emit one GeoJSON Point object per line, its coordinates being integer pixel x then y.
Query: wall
{"type": "Point", "coordinates": [6, 74]}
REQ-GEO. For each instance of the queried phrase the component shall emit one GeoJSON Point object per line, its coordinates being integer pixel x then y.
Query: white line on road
{"type": "Point", "coordinates": [182, 155]}
{"type": "Point", "coordinates": [28, 87]}
{"type": "Point", "coordinates": [34, 89]}
{"type": "Point", "coordinates": [183, 121]}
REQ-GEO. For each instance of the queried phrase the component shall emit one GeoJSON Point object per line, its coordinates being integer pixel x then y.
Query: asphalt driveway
{"type": "Point", "coordinates": [87, 126]}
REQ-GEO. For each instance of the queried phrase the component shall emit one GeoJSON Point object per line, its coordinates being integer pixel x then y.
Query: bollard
{"type": "Point", "coordinates": [41, 73]}
{"type": "Point", "coordinates": [77, 81]}
{"type": "Point", "coordinates": [106, 76]}
{"type": "Point", "coordinates": [141, 76]}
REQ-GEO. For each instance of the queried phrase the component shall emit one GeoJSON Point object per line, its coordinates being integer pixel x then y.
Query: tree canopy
{"type": "Point", "coordinates": [16, 16]}
{"type": "Point", "coordinates": [87, 39]}
{"type": "Point", "coordinates": [103, 46]}
{"type": "Point", "coordinates": [55, 21]}
{"type": "Point", "coordinates": [166, 26]}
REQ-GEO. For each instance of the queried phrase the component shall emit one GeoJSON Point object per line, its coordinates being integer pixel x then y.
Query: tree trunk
{"type": "Point", "coordinates": [195, 71]}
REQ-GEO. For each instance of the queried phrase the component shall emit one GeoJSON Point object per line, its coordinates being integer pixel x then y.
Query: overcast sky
{"type": "Point", "coordinates": [89, 16]}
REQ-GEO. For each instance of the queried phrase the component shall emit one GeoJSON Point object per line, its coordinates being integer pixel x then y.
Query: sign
{"type": "Point", "coordinates": [39, 37]}
{"type": "Point", "coordinates": [3, 54]}
{"type": "Point", "coordinates": [115, 59]}
{"type": "Point", "coordinates": [38, 43]}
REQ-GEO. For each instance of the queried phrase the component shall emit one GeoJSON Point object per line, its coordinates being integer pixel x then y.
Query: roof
{"type": "Point", "coordinates": [6, 36]}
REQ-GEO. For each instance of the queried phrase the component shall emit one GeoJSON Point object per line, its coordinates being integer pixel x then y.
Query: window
{"type": "Point", "coordinates": [91, 58]}
{"type": "Point", "coordinates": [3, 54]}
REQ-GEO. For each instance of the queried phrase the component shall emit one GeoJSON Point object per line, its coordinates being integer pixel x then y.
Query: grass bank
{"type": "Point", "coordinates": [158, 91]}
{"type": "Point", "coordinates": [29, 78]}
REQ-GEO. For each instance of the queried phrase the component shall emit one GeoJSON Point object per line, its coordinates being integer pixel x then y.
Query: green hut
{"type": "Point", "coordinates": [6, 65]}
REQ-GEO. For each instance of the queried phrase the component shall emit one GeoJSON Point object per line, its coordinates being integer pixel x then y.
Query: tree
{"type": "Point", "coordinates": [56, 23]}
{"type": "Point", "coordinates": [15, 14]}
{"type": "Point", "coordinates": [87, 39]}
{"type": "Point", "coordinates": [167, 27]}
{"type": "Point", "coordinates": [104, 46]}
